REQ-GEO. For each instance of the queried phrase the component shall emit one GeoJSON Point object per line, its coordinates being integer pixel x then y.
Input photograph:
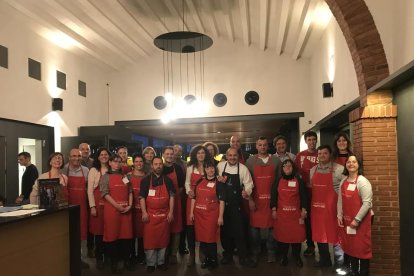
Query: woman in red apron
{"type": "Point", "coordinates": [157, 205]}
{"type": "Point", "coordinates": [149, 153]}
{"type": "Point", "coordinates": [96, 203]}
{"type": "Point", "coordinates": [342, 148]}
{"type": "Point", "coordinates": [355, 216]}
{"type": "Point", "coordinates": [117, 191]}
{"type": "Point", "coordinates": [195, 171]}
{"type": "Point", "coordinates": [138, 226]}
{"type": "Point", "coordinates": [207, 209]}
{"type": "Point", "coordinates": [288, 204]}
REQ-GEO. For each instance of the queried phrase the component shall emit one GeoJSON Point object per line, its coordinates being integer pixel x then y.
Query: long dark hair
{"type": "Point", "coordinates": [193, 155]}
{"type": "Point", "coordinates": [335, 150]}
{"type": "Point", "coordinates": [96, 162]}
{"type": "Point", "coordinates": [294, 171]}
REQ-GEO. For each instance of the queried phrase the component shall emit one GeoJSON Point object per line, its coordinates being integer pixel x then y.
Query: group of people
{"type": "Point", "coordinates": [161, 205]}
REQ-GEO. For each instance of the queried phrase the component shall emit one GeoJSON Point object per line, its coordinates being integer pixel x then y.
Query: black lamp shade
{"type": "Point", "coordinates": [327, 90]}
{"type": "Point", "coordinates": [57, 104]}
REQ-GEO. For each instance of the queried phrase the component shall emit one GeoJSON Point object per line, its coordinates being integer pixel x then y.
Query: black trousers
{"type": "Point", "coordinates": [119, 250]}
{"type": "Point", "coordinates": [284, 249]}
{"type": "Point", "coordinates": [99, 247]}
{"type": "Point", "coordinates": [190, 238]}
{"type": "Point", "coordinates": [138, 251]}
{"type": "Point", "coordinates": [233, 232]}
{"type": "Point", "coordinates": [308, 227]}
{"type": "Point", "coordinates": [324, 254]}
{"type": "Point", "coordinates": [359, 266]}
{"type": "Point", "coordinates": [209, 250]}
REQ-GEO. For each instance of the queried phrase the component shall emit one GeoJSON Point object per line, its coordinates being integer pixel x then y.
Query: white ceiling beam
{"type": "Point", "coordinates": [282, 34]}
{"type": "Point", "coordinates": [209, 13]}
{"type": "Point", "coordinates": [169, 4]}
{"type": "Point", "coordinates": [228, 19]}
{"type": "Point", "coordinates": [195, 15]}
{"type": "Point", "coordinates": [72, 22]}
{"type": "Point", "coordinates": [148, 11]}
{"type": "Point", "coordinates": [264, 23]}
{"type": "Point", "coordinates": [51, 24]}
{"type": "Point", "coordinates": [244, 15]}
{"type": "Point", "coordinates": [305, 30]}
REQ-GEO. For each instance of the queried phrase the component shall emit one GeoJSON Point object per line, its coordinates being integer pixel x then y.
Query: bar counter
{"type": "Point", "coordinates": [43, 243]}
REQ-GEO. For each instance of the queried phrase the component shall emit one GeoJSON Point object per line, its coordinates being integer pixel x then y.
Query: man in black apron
{"type": "Point", "coordinates": [238, 184]}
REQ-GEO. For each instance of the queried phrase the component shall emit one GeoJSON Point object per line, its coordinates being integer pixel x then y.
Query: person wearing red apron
{"type": "Point", "coordinates": [355, 217]}
{"type": "Point", "coordinates": [77, 177]}
{"type": "Point", "coordinates": [136, 177]}
{"type": "Point", "coordinates": [175, 173]}
{"type": "Point", "coordinates": [342, 148]}
{"type": "Point", "coordinates": [122, 151]}
{"type": "Point", "coordinates": [288, 203]}
{"type": "Point", "coordinates": [96, 203]}
{"type": "Point", "coordinates": [117, 192]}
{"type": "Point", "coordinates": [325, 180]}
{"type": "Point", "coordinates": [238, 185]}
{"type": "Point", "coordinates": [157, 205]}
{"type": "Point", "coordinates": [304, 161]}
{"type": "Point", "coordinates": [207, 209]}
{"type": "Point", "coordinates": [264, 169]}
{"type": "Point", "coordinates": [195, 171]}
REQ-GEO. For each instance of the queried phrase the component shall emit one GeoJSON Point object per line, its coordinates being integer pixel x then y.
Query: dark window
{"type": "Point", "coordinates": [82, 88]}
{"type": "Point", "coordinates": [4, 57]}
{"type": "Point", "coordinates": [35, 70]}
{"type": "Point", "coordinates": [61, 80]}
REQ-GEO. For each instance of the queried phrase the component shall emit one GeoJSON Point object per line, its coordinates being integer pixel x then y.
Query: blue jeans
{"type": "Point", "coordinates": [155, 256]}
{"type": "Point", "coordinates": [256, 240]}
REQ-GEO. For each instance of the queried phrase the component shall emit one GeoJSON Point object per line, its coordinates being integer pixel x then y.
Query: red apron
{"type": "Point", "coordinates": [177, 224]}
{"type": "Point", "coordinates": [288, 227]}
{"type": "Point", "coordinates": [263, 177]}
{"type": "Point", "coordinates": [137, 224]}
{"type": "Point", "coordinates": [323, 208]}
{"type": "Point", "coordinates": [341, 160]}
{"type": "Point", "coordinates": [157, 229]}
{"type": "Point", "coordinates": [126, 169]}
{"type": "Point", "coordinates": [77, 196]}
{"type": "Point", "coordinates": [116, 225]}
{"type": "Point", "coordinates": [358, 245]}
{"type": "Point", "coordinates": [206, 212]}
{"type": "Point", "coordinates": [96, 224]}
{"type": "Point", "coordinates": [193, 180]}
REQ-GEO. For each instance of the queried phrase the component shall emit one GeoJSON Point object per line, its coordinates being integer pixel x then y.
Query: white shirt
{"type": "Point", "coordinates": [245, 176]}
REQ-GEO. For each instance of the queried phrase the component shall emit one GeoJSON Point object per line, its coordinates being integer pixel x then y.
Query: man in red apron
{"type": "Point", "coordinates": [280, 143]}
{"type": "Point", "coordinates": [157, 205]}
{"type": "Point", "coordinates": [325, 179]}
{"type": "Point", "coordinates": [264, 169]}
{"type": "Point", "coordinates": [305, 160]}
{"type": "Point", "coordinates": [175, 173]}
{"type": "Point", "coordinates": [77, 184]}
{"type": "Point", "coordinates": [238, 184]}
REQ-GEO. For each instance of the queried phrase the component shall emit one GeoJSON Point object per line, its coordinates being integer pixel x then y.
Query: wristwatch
{"type": "Point", "coordinates": [357, 220]}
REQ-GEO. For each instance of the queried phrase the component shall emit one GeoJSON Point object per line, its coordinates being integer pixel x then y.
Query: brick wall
{"type": "Point", "coordinates": [375, 141]}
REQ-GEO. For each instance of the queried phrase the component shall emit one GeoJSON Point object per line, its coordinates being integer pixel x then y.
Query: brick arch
{"type": "Point", "coordinates": [364, 42]}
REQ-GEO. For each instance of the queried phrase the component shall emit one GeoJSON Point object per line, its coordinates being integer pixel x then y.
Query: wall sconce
{"type": "Point", "coordinates": [327, 90]}
{"type": "Point", "coordinates": [57, 104]}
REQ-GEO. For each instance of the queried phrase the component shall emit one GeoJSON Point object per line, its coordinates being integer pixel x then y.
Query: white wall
{"type": "Point", "coordinates": [229, 68]}
{"type": "Point", "coordinates": [27, 99]}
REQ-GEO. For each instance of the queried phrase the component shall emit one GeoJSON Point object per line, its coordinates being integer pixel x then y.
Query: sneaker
{"type": "Point", "coordinates": [150, 269]}
{"type": "Point", "coordinates": [310, 251]}
{"type": "Point", "coordinates": [271, 258]}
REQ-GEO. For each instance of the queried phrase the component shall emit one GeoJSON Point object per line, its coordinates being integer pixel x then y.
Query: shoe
{"type": "Point", "coordinates": [100, 265]}
{"type": "Point", "coordinates": [284, 261]}
{"type": "Point", "coordinates": [271, 258]}
{"type": "Point", "coordinates": [141, 260]}
{"type": "Point", "coordinates": [84, 265]}
{"type": "Point", "coordinates": [321, 264]}
{"type": "Point", "coordinates": [205, 264]}
{"type": "Point", "coordinates": [310, 251]}
{"type": "Point", "coordinates": [162, 267]}
{"type": "Point", "coordinates": [213, 264]}
{"type": "Point", "coordinates": [91, 253]}
{"type": "Point", "coordinates": [247, 263]}
{"type": "Point", "coordinates": [226, 260]}
{"type": "Point", "coordinates": [299, 262]}
{"type": "Point", "coordinates": [183, 252]}
{"type": "Point", "coordinates": [150, 269]}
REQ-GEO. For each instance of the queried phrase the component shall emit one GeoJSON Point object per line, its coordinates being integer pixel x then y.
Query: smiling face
{"type": "Point", "coordinates": [201, 155]}
{"type": "Point", "coordinates": [311, 142]}
{"type": "Point", "coordinates": [210, 172]}
{"type": "Point", "coordinates": [149, 155]}
{"type": "Point", "coordinates": [103, 157]}
{"type": "Point", "coordinates": [232, 156]}
{"type": "Point", "coordinates": [168, 155]}
{"type": "Point", "coordinates": [280, 146]}
{"type": "Point", "coordinates": [324, 156]}
{"type": "Point", "coordinates": [352, 165]}
{"type": "Point", "coordinates": [75, 158]}
{"type": "Point", "coordinates": [85, 150]}
{"type": "Point", "coordinates": [235, 142]}
{"type": "Point", "coordinates": [288, 168]}
{"type": "Point", "coordinates": [342, 144]}
{"type": "Point", "coordinates": [56, 161]}
{"type": "Point", "coordinates": [138, 163]}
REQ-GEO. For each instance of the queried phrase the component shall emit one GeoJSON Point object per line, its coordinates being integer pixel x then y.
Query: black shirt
{"type": "Point", "coordinates": [178, 171]}
{"type": "Point", "coordinates": [156, 181]}
{"type": "Point", "coordinates": [28, 179]}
